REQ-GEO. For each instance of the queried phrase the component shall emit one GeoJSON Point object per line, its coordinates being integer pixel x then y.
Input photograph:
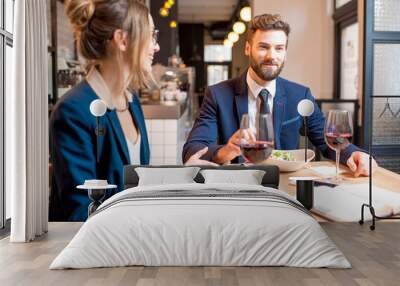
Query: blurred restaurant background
{"type": "Point", "coordinates": [346, 51]}
{"type": "Point", "coordinates": [348, 61]}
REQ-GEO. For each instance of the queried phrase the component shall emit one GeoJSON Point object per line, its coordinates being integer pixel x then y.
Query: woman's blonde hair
{"type": "Point", "coordinates": [95, 22]}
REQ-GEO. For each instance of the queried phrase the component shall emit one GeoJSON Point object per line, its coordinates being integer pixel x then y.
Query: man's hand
{"type": "Point", "coordinates": [195, 159]}
{"type": "Point", "coordinates": [232, 149]}
{"type": "Point", "coordinates": [359, 164]}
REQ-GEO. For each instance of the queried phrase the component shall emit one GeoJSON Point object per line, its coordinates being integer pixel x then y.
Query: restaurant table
{"type": "Point", "coordinates": [381, 178]}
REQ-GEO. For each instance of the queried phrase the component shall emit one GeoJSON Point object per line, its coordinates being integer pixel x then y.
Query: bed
{"type": "Point", "coordinates": [201, 224]}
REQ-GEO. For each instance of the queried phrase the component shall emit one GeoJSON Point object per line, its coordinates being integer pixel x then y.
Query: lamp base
{"type": "Point", "coordinates": [374, 217]}
{"type": "Point", "coordinates": [97, 196]}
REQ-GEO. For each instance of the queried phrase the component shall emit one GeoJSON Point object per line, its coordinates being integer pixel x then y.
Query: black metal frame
{"type": "Point", "coordinates": [370, 38]}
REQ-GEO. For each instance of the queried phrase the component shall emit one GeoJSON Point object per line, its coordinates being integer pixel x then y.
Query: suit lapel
{"type": "Point", "coordinates": [112, 116]}
{"type": "Point", "coordinates": [241, 97]}
{"type": "Point", "coordinates": [280, 100]}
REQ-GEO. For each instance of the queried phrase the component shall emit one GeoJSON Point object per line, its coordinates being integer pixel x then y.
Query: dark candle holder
{"type": "Point", "coordinates": [96, 194]}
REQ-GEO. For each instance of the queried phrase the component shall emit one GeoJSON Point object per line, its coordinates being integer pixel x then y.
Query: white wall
{"type": "Point", "coordinates": [311, 41]}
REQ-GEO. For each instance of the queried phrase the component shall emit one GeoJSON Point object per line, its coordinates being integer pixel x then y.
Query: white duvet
{"type": "Point", "coordinates": [265, 229]}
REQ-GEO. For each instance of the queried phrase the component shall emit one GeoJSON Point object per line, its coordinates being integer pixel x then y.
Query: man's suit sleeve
{"type": "Point", "coordinates": [315, 125]}
{"type": "Point", "coordinates": [73, 157]}
{"type": "Point", "coordinates": [205, 130]}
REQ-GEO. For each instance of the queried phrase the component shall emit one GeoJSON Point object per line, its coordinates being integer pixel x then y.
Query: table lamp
{"type": "Point", "coordinates": [97, 188]}
{"type": "Point", "coordinates": [305, 109]}
{"type": "Point", "coordinates": [98, 108]}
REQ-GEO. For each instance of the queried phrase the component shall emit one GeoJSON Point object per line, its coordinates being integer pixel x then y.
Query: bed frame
{"type": "Point", "coordinates": [270, 179]}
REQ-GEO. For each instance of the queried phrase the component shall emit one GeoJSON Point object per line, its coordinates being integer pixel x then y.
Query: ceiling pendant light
{"type": "Point", "coordinates": [228, 43]}
{"type": "Point", "coordinates": [164, 12]}
{"type": "Point", "coordinates": [239, 27]}
{"type": "Point", "coordinates": [172, 24]}
{"type": "Point", "coordinates": [245, 14]}
{"type": "Point", "coordinates": [233, 37]}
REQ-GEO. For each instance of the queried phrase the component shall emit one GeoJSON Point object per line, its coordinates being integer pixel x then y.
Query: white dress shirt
{"type": "Point", "coordinates": [254, 101]}
{"type": "Point", "coordinates": [134, 150]}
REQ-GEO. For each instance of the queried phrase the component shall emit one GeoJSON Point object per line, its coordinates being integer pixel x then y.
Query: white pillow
{"type": "Point", "coordinates": [248, 177]}
{"type": "Point", "coordinates": [166, 176]}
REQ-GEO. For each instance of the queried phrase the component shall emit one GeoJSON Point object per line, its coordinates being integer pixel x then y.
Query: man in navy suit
{"type": "Point", "coordinates": [217, 126]}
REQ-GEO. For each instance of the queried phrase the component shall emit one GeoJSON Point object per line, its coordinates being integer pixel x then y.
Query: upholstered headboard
{"type": "Point", "coordinates": [270, 179]}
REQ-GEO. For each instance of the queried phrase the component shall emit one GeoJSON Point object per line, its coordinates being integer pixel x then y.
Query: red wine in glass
{"type": "Point", "coordinates": [338, 132]}
{"type": "Point", "coordinates": [338, 141]}
{"type": "Point", "coordinates": [256, 152]}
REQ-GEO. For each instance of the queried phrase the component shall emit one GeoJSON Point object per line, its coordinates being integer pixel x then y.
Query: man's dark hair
{"type": "Point", "coordinates": [267, 22]}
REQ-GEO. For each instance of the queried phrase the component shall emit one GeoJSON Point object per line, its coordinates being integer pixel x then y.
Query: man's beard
{"type": "Point", "coordinates": [266, 74]}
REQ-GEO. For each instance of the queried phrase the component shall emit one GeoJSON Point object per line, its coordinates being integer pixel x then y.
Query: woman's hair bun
{"type": "Point", "coordinates": [79, 12]}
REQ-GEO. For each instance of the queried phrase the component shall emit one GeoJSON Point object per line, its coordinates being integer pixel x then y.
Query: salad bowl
{"type": "Point", "coordinates": [289, 160]}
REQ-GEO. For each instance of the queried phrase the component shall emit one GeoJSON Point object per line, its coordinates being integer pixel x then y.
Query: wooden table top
{"type": "Point", "coordinates": [381, 178]}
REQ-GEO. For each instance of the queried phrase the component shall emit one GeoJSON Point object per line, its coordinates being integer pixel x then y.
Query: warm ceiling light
{"type": "Point", "coordinates": [228, 43]}
{"type": "Point", "coordinates": [172, 24]}
{"type": "Point", "coordinates": [239, 27]}
{"type": "Point", "coordinates": [167, 5]}
{"type": "Point", "coordinates": [245, 14]}
{"type": "Point", "coordinates": [164, 12]}
{"type": "Point", "coordinates": [233, 37]}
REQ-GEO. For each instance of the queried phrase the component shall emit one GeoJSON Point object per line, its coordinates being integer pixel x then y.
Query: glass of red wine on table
{"type": "Point", "coordinates": [338, 134]}
{"type": "Point", "coordinates": [258, 150]}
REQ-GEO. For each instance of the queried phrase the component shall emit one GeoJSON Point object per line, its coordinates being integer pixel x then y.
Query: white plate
{"type": "Point", "coordinates": [291, 166]}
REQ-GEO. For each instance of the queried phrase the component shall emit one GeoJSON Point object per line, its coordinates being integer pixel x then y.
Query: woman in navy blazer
{"type": "Point", "coordinates": [118, 41]}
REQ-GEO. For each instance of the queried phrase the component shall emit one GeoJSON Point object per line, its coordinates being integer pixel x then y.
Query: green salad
{"type": "Point", "coordinates": [282, 155]}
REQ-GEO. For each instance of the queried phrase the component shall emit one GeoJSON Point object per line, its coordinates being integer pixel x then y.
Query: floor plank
{"type": "Point", "coordinates": [374, 255]}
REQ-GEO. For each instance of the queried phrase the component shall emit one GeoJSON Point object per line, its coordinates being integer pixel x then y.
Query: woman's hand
{"type": "Point", "coordinates": [195, 159]}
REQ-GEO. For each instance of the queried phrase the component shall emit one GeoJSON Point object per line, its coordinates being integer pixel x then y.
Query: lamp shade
{"type": "Point", "coordinates": [305, 107]}
{"type": "Point", "coordinates": [97, 108]}
{"type": "Point", "coordinates": [239, 27]}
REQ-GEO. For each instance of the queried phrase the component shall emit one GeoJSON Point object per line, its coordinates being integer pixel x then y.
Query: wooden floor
{"type": "Point", "coordinates": [375, 257]}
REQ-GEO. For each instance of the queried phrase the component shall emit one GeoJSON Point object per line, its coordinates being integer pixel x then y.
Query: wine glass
{"type": "Point", "coordinates": [258, 150]}
{"type": "Point", "coordinates": [338, 133]}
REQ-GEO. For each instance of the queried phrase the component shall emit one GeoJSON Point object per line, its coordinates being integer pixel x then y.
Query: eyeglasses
{"type": "Point", "coordinates": [154, 36]}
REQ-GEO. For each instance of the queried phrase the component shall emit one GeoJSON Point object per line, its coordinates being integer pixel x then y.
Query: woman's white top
{"type": "Point", "coordinates": [134, 150]}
